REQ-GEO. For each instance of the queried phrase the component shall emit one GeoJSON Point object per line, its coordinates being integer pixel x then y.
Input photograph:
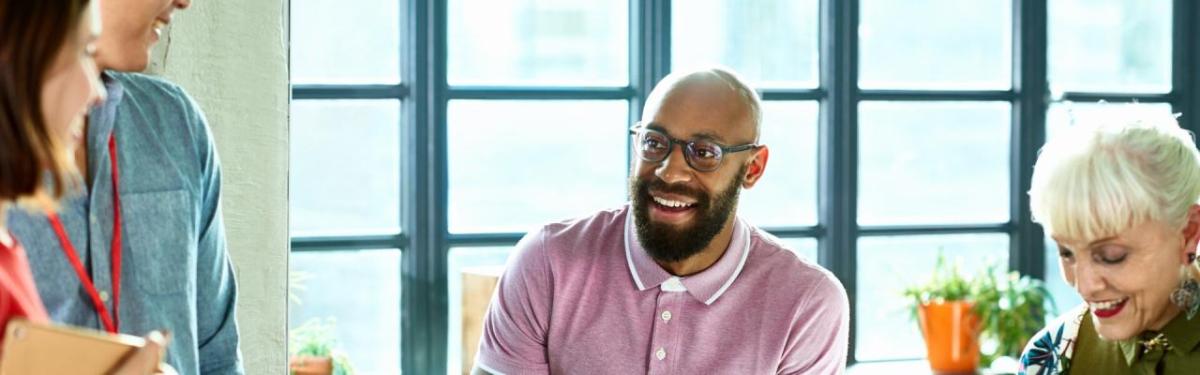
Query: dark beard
{"type": "Point", "coordinates": [666, 242]}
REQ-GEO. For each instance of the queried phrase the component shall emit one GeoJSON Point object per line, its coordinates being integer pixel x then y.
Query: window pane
{"type": "Point", "coordinates": [539, 42]}
{"type": "Point", "coordinates": [515, 165]}
{"type": "Point", "coordinates": [361, 291]}
{"type": "Point", "coordinates": [886, 265]}
{"type": "Point", "coordinates": [1063, 114]}
{"type": "Point", "coordinates": [462, 261]}
{"type": "Point", "coordinates": [787, 193]}
{"type": "Point", "coordinates": [345, 42]}
{"type": "Point", "coordinates": [806, 248]}
{"type": "Point", "coordinates": [933, 162]}
{"type": "Point", "coordinates": [1110, 45]}
{"type": "Point", "coordinates": [705, 32]}
{"type": "Point", "coordinates": [936, 44]}
{"type": "Point", "coordinates": [345, 168]}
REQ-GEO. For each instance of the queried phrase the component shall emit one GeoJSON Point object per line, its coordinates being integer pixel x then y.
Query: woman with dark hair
{"type": "Point", "coordinates": [48, 81]}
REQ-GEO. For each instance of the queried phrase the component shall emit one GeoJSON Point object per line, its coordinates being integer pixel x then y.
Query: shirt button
{"type": "Point", "coordinates": [666, 316]}
{"type": "Point", "coordinates": [660, 354]}
{"type": "Point", "coordinates": [674, 283]}
{"type": "Point", "coordinates": [103, 296]}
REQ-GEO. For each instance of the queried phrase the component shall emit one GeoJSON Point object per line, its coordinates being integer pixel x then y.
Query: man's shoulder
{"type": "Point", "coordinates": [600, 223]}
{"type": "Point", "coordinates": [578, 236]}
{"type": "Point", "coordinates": [147, 102]}
{"type": "Point", "coordinates": [779, 263]}
{"type": "Point", "coordinates": [146, 86]}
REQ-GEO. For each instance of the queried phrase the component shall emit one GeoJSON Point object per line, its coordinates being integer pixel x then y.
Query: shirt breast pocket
{"type": "Point", "coordinates": [160, 233]}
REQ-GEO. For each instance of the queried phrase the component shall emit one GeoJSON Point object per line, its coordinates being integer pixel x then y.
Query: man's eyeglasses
{"type": "Point", "coordinates": [702, 155]}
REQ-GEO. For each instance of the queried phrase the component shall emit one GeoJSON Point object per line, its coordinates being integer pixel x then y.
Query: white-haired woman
{"type": "Point", "coordinates": [1119, 196]}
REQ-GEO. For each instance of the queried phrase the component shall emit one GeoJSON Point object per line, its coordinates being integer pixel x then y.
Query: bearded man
{"type": "Point", "coordinates": [673, 282]}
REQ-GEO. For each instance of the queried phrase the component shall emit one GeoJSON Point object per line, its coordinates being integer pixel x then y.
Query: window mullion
{"type": "Point", "coordinates": [1028, 131]}
{"type": "Point", "coordinates": [838, 146]}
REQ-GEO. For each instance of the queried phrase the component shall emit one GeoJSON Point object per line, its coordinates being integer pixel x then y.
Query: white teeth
{"type": "Point", "coordinates": [1105, 305]}
{"type": "Point", "coordinates": [671, 203]}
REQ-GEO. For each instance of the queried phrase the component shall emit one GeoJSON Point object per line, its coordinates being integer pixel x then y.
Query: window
{"type": "Point", "coordinates": [345, 176]}
{"type": "Point", "coordinates": [359, 290]}
{"type": "Point", "coordinates": [933, 154]}
{"type": "Point", "coordinates": [715, 32]}
{"type": "Point", "coordinates": [518, 164]}
{"type": "Point", "coordinates": [538, 43]}
{"type": "Point", "coordinates": [935, 44]}
{"type": "Point", "coordinates": [1110, 46]}
{"type": "Point", "coordinates": [429, 136]}
{"type": "Point", "coordinates": [369, 30]}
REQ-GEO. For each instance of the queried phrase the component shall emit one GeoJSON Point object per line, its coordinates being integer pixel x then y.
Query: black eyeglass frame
{"type": "Point", "coordinates": [689, 148]}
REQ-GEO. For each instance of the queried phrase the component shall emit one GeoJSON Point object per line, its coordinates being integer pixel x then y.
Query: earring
{"type": "Point", "coordinates": [1187, 296]}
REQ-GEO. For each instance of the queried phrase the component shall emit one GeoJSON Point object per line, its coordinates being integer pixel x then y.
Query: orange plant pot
{"type": "Point", "coordinates": [951, 331]}
{"type": "Point", "coordinates": [305, 365]}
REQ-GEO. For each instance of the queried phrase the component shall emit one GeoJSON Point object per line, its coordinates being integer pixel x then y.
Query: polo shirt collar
{"type": "Point", "coordinates": [706, 286]}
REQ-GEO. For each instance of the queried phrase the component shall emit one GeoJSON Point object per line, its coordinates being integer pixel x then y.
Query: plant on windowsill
{"type": "Point", "coordinates": [312, 348]}
{"type": "Point", "coordinates": [1018, 310]}
{"type": "Point", "coordinates": [955, 314]}
{"type": "Point", "coordinates": [949, 321]}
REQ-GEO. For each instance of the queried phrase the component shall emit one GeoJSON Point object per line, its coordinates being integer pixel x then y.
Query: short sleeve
{"type": "Point", "coordinates": [818, 341]}
{"type": "Point", "coordinates": [518, 317]}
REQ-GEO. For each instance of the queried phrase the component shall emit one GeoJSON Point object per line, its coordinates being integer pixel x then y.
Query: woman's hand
{"type": "Point", "coordinates": [148, 359]}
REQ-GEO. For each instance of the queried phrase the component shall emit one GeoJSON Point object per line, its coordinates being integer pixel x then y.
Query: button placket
{"type": "Point", "coordinates": [98, 251]}
{"type": "Point", "coordinates": [661, 353]}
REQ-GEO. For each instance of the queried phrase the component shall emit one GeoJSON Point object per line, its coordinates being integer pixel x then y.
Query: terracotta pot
{"type": "Point", "coordinates": [305, 365]}
{"type": "Point", "coordinates": [951, 331]}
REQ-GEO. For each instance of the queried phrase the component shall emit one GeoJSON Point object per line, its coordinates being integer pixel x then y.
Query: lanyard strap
{"type": "Point", "coordinates": [109, 320]}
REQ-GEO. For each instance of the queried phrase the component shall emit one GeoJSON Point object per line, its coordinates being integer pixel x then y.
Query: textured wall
{"type": "Point", "coordinates": [232, 57]}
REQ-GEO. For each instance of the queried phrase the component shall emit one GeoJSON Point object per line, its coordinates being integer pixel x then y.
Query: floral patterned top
{"type": "Point", "coordinates": [1050, 350]}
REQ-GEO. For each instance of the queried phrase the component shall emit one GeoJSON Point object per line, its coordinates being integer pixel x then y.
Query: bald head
{"type": "Point", "coordinates": [712, 94]}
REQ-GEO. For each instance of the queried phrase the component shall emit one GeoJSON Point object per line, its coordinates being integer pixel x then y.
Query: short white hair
{"type": "Point", "coordinates": [1111, 172]}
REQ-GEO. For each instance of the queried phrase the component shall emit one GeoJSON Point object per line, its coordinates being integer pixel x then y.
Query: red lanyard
{"type": "Point", "coordinates": [110, 321]}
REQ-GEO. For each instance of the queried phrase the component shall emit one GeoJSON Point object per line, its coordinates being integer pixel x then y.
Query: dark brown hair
{"type": "Point", "coordinates": [31, 34]}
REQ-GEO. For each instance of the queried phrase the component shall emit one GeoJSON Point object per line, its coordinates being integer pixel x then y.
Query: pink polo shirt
{"type": "Point", "coordinates": [583, 297]}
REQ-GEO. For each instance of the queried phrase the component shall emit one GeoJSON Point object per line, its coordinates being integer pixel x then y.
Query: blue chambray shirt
{"type": "Point", "coordinates": [176, 273]}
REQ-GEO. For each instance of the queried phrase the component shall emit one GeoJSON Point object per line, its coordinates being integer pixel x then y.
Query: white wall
{"type": "Point", "coordinates": [232, 57]}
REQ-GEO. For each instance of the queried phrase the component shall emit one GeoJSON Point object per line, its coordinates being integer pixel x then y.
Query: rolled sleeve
{"type": "Point", "coordinates": [518, 317]}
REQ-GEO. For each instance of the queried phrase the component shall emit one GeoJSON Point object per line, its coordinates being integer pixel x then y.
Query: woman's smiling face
{"type": "Point", "coordinates": [1126, 279]}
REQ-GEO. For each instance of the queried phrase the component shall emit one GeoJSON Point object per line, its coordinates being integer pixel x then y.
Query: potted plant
{"type": "Point", "coordinates": [948, 318]}
{"type": "Point", "coordinates": [312, 345]}
{"type": "Point", "coordinates": [312, 349]}
{"type": "Point", "coordinates": [1018, 307]}
{"type": "Point", "coordinates": [956, 314]}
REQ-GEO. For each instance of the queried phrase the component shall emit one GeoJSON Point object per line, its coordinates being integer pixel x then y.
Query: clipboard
{"type": "Point", "coordinates": [36, 348]}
